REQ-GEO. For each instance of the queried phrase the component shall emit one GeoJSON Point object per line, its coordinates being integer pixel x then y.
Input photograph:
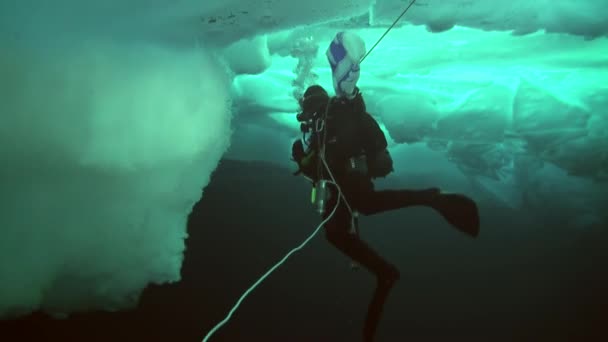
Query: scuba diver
{"type": "Point", "coordinates": [347, 148]}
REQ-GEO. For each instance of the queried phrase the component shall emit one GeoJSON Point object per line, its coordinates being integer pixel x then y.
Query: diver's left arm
{"type": "Point", "coordinates": [374, 140]}
{"type": "Point", "coordinates": [375, 145]}
{"type": "Point", "coordinates": [305, 158]}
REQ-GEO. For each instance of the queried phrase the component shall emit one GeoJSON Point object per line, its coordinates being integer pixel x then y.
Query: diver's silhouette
{"type": "Point", "coordinates": [347, 145]}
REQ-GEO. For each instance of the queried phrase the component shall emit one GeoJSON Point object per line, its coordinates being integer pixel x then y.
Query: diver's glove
{"type": "Point", "coordinates": [297, 151]}
{"type": "Point", "coordinates": [297, 154]}
{"type": "Point", "coordinates": [306, 161]}
{"type": "Point", "coordinates": [344, 55]}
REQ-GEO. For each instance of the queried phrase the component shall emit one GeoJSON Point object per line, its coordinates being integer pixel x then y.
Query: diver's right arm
{"type": "Point", "coordinates": [306, 159]}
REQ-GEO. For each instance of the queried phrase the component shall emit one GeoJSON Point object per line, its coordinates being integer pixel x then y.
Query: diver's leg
{"type": "Point", "coordinates": [386, 275]}
{"type": "Point", "coordinates": [337, 233]}
{"type": "Point", "coordinates": [458, 210]}
{"type": "Point", "coordinates": [375, 308]}
{"type": "Point", "coordinates": [386, 200]}
{"type": "Point", "coordinates": [368, 201]}
{"type": "Point", "coordinates": [360, 252]}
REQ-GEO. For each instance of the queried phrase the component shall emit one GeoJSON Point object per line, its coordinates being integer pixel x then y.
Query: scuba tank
{"type": "Point", "coordinates": [320, 195]}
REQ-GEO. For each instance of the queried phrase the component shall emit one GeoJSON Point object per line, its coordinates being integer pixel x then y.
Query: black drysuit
{"type": "Point", "coordinates": [352, 131]}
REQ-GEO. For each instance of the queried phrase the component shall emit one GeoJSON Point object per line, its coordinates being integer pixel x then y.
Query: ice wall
{"type": "Point", "coordinates": [105, 148]}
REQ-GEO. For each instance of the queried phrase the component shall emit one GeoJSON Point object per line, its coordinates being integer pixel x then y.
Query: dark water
{"type": "Point", "coordinates": [519, 281]}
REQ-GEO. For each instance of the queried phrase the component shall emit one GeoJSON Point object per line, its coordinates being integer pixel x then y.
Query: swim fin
{"type": "Point", "coordinates": [459, 210]}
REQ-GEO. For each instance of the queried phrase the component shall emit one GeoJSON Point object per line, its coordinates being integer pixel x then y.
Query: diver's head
{"type": "Point", "coordinates": [314, 100]}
